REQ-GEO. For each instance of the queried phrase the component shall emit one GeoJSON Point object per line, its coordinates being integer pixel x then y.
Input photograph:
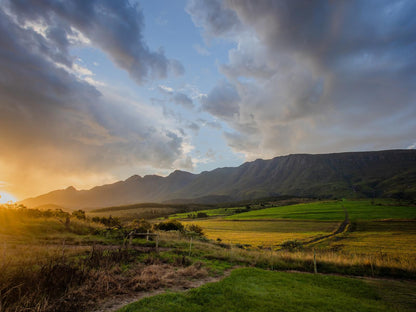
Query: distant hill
{"type": "Point", "coordinates": [357, 174]}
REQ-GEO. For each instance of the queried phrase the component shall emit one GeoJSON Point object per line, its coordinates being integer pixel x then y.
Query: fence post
{"type": "Point", "coordinates": [190, 246]}
{"type": "Point", "coordinates": [147, 236]}
{"type": "Point", "coordinates": [130, 238]}
{"type": "Point", "coordinates": [315, 270]}
{"type": "Point", "coordinates": [157, 243]}
{"type": "Point", "coordinates": [63, 250]}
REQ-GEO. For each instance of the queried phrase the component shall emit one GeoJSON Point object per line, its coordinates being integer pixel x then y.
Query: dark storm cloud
{"type": "Point", "coordinates": [53, 121]}
{"type": "Point", "coordinates": [114, 26]}
{"type": "Point", "coordinates": [306, 70]}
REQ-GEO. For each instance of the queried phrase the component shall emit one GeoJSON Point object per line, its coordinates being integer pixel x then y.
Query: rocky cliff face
{"type": "Point", "coordinates": [364, 174]}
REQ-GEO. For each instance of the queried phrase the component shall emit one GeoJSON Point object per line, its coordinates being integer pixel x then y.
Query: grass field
{"type": "Point", "coordinates": [332, 210]}
{"type": "Point", "coordinates": [259, 290]}
{"type": "Point", "coordinates": [210, 212]}
{"type": "Point", "coordinates": [45, 262]}
{"type": "Point", "coordinates": [263, 233]}
{"type": "Point", "coordinates": [388, 238]}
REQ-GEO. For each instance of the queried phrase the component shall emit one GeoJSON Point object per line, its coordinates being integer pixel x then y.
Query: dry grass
{"type": "Point", "coordinates": [263, 233]}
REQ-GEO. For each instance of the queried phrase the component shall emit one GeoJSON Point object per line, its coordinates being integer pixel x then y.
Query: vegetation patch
{"type": "Point", "coordinates": [259, 290]}
{"type": "Point", "coordinates": [334, 210]}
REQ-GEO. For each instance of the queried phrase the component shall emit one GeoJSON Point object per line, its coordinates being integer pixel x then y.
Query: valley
{"type": "Point", "coordinates": [87, 255]}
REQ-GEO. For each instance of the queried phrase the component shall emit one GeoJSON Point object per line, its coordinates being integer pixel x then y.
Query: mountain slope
{"type": "Point", "coordinates": [364, 174]}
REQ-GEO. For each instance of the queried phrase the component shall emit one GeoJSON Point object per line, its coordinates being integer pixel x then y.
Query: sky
{"type": "Point", "coordinates": [92, 92]}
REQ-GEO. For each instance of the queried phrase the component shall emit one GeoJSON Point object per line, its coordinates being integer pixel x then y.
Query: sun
{"type": "Point", "coordinates": [6, 198]}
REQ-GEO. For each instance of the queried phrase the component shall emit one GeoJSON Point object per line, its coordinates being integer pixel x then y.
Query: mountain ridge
{"type": "Point", "coordinates": [361, 174]}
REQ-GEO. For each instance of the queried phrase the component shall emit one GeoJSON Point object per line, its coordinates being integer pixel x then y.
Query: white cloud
{"type": "Point", "coordinates": [201, 50]}
{"type": "Point", "coordinates": [304, 78]}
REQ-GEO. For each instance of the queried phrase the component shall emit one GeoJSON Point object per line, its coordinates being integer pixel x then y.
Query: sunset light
{"type": "Point", "coordinates": [6, 198]}
{"type": "Point", "coordinates": [207, 155]}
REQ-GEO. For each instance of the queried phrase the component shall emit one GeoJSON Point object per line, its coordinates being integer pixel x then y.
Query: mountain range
{"type": "Point", "coordinates": [389, 173]}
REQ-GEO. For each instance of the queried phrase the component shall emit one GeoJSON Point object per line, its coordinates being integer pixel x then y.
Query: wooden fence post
{"type": "Point", "coordinates": [130, 238]}
{"type": "Point", "coordinates": [315, 270]}
{"type": "Point", "coordinates": [190, 246]}
{"type": "Point", "coordinates": [157, 243]}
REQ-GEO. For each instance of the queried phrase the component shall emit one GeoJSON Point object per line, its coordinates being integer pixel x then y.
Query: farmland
{"type": "Point", "coordinates": [263, 232]}
{"type": "Point", "coordinates": [94, 256]}
{"type": "Point", "coordinates": [333, 210]}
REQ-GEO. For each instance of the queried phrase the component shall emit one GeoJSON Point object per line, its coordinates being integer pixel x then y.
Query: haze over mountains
{"type": "Point", "coordinates": [355, 174]}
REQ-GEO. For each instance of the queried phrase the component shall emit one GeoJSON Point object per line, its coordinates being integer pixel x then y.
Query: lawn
{"type": "Point", "coordinates": [332, 210]}
{"type": "Point", "coordinates": [260, 290]}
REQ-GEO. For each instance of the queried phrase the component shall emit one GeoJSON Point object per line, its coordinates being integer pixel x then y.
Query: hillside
{"type": "Point", "coordinates": [356, 174]}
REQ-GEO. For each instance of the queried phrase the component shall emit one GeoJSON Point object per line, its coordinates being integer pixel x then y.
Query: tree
{"type": "Point", "coordinates": [79, 214]}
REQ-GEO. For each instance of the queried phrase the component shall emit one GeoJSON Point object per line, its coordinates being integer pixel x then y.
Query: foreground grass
{"type": "Point", "coordinates": [333, 210]}
{"type": "Point", "coordinates": [260, 290]}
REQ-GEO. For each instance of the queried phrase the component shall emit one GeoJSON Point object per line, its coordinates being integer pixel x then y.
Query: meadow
{"type": "Point", "coordinates": [333, 210]}
{"type": "Point", "coordinates": [264, 233]}
{"type": "Point", "coordinates": [56, 261]}
{"type": "Point", "coordinates": [370, 239]}
{"type": "Point", "coordinates": [259, 290]}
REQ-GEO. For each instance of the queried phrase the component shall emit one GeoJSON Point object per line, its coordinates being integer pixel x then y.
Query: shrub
{"type": "Point", "coordinates": [201, 215]}
{"type": "Point", "coordinates": [171, 225]}
{"type": "Point", "coordinates": [140, 226]}
{"type": "Point", "coordinates": [194, 228]}
{"type": "Point", "coordinates": [292, 245]}
{"type": "Point", "coordinates": [79, 214]}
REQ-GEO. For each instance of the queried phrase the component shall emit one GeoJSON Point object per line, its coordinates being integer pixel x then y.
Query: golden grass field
{"type": "Point", "coordinates": [389, 238]}
{"type": "Point", "coordinates": [263, 233]}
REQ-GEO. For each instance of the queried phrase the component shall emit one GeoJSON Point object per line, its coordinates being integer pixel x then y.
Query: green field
{"type": "Point", "coordinates": [259, 290]}
{"type": "Point", "coordinates": [332, 210]}
{"type": "Point", "coordinates": [210, 212]}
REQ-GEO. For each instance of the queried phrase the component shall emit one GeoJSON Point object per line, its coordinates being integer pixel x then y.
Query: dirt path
{"type": "Point", "coordinates": [342, 227]}
{"type": "Point", "coordinates": [117, 302]}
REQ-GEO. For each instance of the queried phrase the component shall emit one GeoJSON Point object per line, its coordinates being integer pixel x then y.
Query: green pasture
{"type": "Point", "coordinates": [332, 210]}
{"type": "Point", "coordinates": [210, 212]}
{"type": "Point", "coordinates": [260, 290]}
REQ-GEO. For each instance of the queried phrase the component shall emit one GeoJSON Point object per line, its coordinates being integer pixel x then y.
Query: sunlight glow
{"type": "Point", "coordinates": [6, 198]}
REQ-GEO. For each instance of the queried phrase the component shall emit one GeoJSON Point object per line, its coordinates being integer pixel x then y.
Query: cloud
{"type": "Point", "coordinates": [201, 50]}
{"type": "Point", "coordinates": [411, 146]}
{"type": "Point", "coordinates": [313, 76]}
{"type": "Point", "coordinates": [222, 101]}
{"type": "Point", "coordinates": [114, 27]}
{"type": "Point", "coordinates": [56, 127]}
{"type": "Point", "coordinates": [183, 100]}
{"type": "Point", "coordinates": [178, 98]}
{"type": "Point", "coordinates": [212, 124]}
{"type": "Point", "coordinates": [213, 16]}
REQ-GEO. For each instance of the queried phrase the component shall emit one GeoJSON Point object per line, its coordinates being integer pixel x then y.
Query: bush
{"type": "Point", "coordinates": [79, 214]}
{"type": "Point", "coordinates": [171, 225]}
{"type": "Point", "coordinates": [194, 228]}
{"type": "Point", "coordinates": [292, 245]}
{"type": "Point", "coordinates": [140, 226]}
{"type": "Point", "coordinates": [111, 222]}
{"type": "Point", "coordinates": [201, 215]}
